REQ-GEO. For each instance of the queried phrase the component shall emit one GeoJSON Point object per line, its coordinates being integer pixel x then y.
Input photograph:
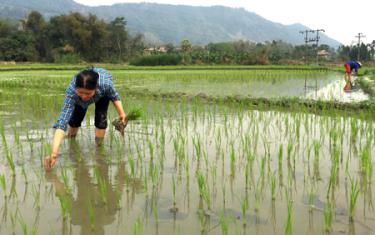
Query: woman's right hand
{"type": "Point", "coordinates": [50, 161]}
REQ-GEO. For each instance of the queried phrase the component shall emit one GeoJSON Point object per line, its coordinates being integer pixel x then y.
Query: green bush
{"type": "Point", "coordinates": [155, 60]}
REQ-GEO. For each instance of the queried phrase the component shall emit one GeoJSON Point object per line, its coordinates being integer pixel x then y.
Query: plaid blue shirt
{"type": "Point", "coordinates": [103, 88]}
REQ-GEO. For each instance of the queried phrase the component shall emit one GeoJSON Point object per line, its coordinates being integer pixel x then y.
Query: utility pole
{"type": "Point", "coordinates": [312, 39]}
{"type": "Point", "coordinates": [317, 43]}
{"type": "Point", "coordinates": [359, 36]}
{"type": "Point", "coordinates": [307, 40]}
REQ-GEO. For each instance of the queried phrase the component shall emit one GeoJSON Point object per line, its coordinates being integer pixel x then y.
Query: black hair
{"type": "Point", "coordinates": [87, 79]}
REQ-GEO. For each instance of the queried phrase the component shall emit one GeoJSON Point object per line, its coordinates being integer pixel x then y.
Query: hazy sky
{"type": "Point", "coordinates": [342, 19]}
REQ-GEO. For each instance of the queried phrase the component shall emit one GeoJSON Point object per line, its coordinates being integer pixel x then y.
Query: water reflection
{"type": "Point", "coordinates": [97, 199]}
{"type": "Point", "coordinates": [334, 91]}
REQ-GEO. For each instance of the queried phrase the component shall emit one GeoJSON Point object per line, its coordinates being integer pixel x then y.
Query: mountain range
{"type": "Point", "coordinates": [163, 23]}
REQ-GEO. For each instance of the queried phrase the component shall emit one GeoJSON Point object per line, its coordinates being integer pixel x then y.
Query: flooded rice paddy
{"type": "Point", "coordinates": [320, 85]}
{"type": "Point", "coordinates": [186, 168]}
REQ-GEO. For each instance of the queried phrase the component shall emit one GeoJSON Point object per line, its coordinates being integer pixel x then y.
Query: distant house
{"type": "Point", "coordinates": [153, 50]}
{"type": "Point", "coordinates": [324, 54]}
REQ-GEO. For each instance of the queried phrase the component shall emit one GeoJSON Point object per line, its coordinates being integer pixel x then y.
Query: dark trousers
{"type": "Point", "coordinates": [101, 108]}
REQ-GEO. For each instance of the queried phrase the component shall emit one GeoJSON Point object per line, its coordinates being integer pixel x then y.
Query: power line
{"type": "Point", "coordinates": [317, 43]}
{"type": "Point", "coordinates": [359, 36]}
{"type": "Point", "coordinates": [308, 39]}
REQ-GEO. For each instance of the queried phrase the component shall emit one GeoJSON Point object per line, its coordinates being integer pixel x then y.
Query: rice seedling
{"type": "Point", "coordinates": [257, 194]}
{"type": "Point", "coordinates": [317, 147]}
{"type": "Point", "coordinates": [366, 165]}
{"type": "Point", "coordinates": [102, 185]}
{"type": "Point", "coordinates": [273, 186]}
{"type": "Point", "coordinates": [310, 198]}
{"type": "Point", "coordinates": [10, 160]}
{"type": "Point", "coordinates": [91, 214]}
{"type": "Point", "coordinates": [134, 114]}
{"type": "Point", "coordinates": [138, 227]}
{"type": "Point", "coordinates": [154, 172]}
{"type": "Point", "coordinates": [203, 189]}
{"type": "Point", "coordinates": [3, 185]}
{"type": "Point", "coordinates": [151, 148]}
{"type": "Point", "coordinates": [66, 180]}
{"type": "Point", "coordinates": [354, 192]}
{"type": "Point", "coordinates": [288, 225]}
{"type": "Point", "coordinates": [262, 169]}
{"type": "Point", "coordinates": [328, 217]}
{"type": "Point", "coordinates": [103, 190]}
{"type": "Point", "coordinates": [162, 143]}
{"type": "Point", "coordinates": [334, 171]}
{"type": "Point", "coordinates": [244, 208]}
{"type": "Point", "coordinates": [213, 179]}
{"type": "Point", "coordinates": [132, 166]}
{"type": "Point", "coordinates": [289, 149]}
{"type": "Point", "coordinates": [232, 161]}
{"type": "Point", "coordinates": [65, 206]}
{"type": "Point", "coordinates": [23, 172]}
{"type": "Point", "coordinates": [223, 220]}
{"type": "Point", "coordinates": [23, 225]}
{"type": "Point", "coordinates": [36, 194]}
{"type": "Point", "coordinates": [13, 194]}
{"type": "Point", "coordinates": [280, 157]}
{"type": "Point", "coordinates": [33, 230]}
{"type": "Point", "coordinates": [174, 208]}
{"type": "Point", "coordinates": [197, 146]}
{"type": "Point", "coordinates": [205, 157]}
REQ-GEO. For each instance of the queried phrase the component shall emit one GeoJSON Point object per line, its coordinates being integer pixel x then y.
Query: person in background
{"type": "Point", "coordinates": [349, 67]}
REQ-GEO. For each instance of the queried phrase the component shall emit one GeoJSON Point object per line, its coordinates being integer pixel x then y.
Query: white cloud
{"type": "Point", "coordinates": [342, 19]}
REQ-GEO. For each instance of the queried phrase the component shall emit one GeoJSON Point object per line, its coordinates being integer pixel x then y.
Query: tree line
{"type": "Point", "coordinates": [68, 38]}
{"type": "Point", "coordinates": [74, 37]}
{"type": "Point", "coordinates": [251, 53]}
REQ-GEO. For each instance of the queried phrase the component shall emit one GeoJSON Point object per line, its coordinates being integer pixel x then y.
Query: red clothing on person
{"type": "Point", "coordinates": [348, 70]}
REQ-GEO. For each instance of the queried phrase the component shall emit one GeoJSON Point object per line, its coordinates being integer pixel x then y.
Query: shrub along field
{"type": "Point", "coordinates": [209, 154]}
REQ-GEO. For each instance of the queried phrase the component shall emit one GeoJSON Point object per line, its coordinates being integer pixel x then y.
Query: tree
{"type": "Point", "coordinates": [136, 46]}
{"type": "Point", "coordinates": [372, 50]}
{"type": "Point", "coordinates": [86, 34]}
{"type": "Point", "coordinates": [185, 49]}
{"type": "Point", "coordinates": [186, 46]}
{"type": "Point", "coordinates": [118, 37]}
{"type": "Point", "coordinates": [5, 29]}
{"type": "Point", "coordinates": [36, 25]}
{"type": "Point", "coordinates": [18, 47]}
{"type": "Point", "coordinates": [170, 48]}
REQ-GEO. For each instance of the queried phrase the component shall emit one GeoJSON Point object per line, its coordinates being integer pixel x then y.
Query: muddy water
{"type": "Point", "coordinates": [267, 86]}
{"type": "Point", "coordinates": [127, 184]}
{"type": "Point", "coordinates": [326, 86]}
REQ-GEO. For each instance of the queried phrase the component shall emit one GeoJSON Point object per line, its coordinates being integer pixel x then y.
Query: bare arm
{"type": "Point", "coordinates": [57, 138]}
{"type": "Point", "coordinates": [60, 127]}
{"type": "Point", "coordinates": [120, 109]}
{"type": "Point", "coordinates": [50, 160]}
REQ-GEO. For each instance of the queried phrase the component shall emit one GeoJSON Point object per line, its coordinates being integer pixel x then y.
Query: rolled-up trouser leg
{"type": "Point", "coordinates": [101, 108]}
